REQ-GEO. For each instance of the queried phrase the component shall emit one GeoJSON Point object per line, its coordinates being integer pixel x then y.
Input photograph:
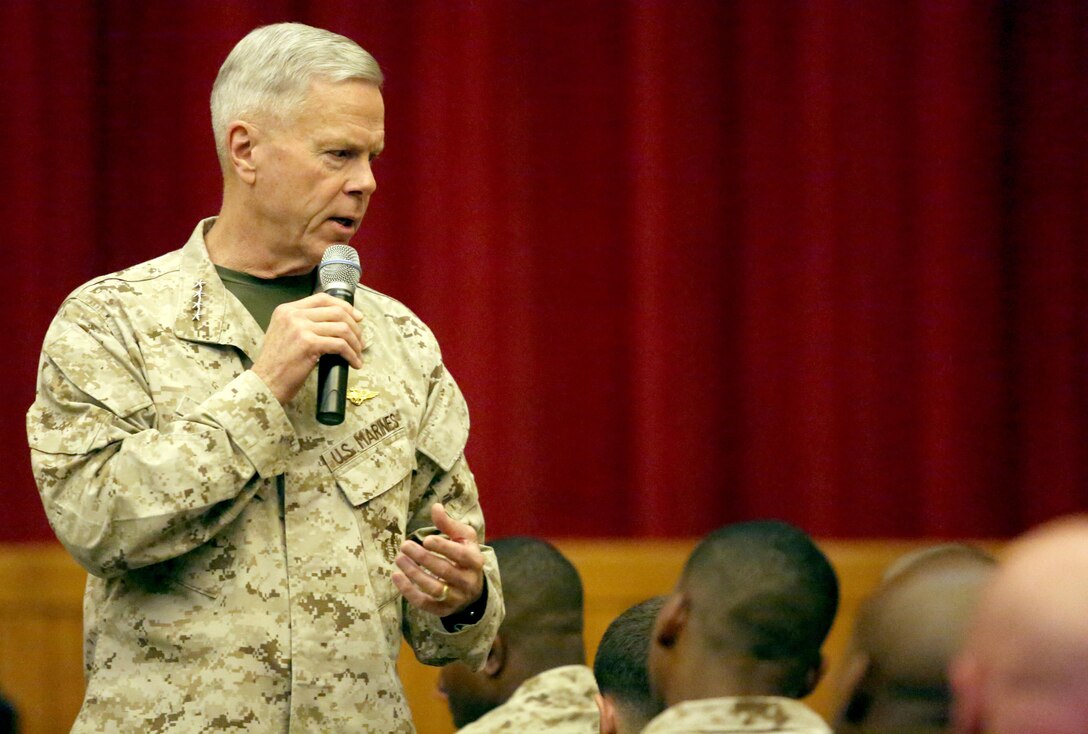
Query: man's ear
{"type": "Point", "coordinates": [814, 675]}
{"type": "Point", "coordinates": [608, 714]}
{"type": "Point", "coordinates": [849, 684]}
{"type": "Point", "coordinates": [496, 658]}
{"type": "Point", "coordinates": [672, 621]}
{"type": "Point", "coordinates": [966, 682]}
{"type": "Point", "coordinates": [241, 140]}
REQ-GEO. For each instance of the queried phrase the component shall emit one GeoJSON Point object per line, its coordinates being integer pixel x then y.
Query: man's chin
{"type": "Point", "coordinates": [337, 241]}
{"type": "Point", "coordinates": [315, 248]}
{"type": "Point", "coordinates": [467, 713]}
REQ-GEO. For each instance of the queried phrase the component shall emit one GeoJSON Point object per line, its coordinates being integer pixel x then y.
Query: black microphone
{"type": "Point", "coordinates": [337, 275]}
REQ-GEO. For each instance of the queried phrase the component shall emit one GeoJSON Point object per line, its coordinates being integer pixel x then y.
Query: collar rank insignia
{"type": "Point", "coordinates": [198, 299]}
{"type": "Point", "coordinates": [357, 396]}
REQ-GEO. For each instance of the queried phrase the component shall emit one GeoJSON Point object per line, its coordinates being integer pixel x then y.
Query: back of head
{"type": "Point", "coordinates": [542, 628]}
{"type": "Point", "coordinates": [905, 636]}
{"type": "Point", "coordinates": [620, 666]}
{"type": "Point", "coordinates": [542, 589]}
{"type": "Point", "coordinates": [762, 592]}
{"type": "Point", "coordinates": [1024, 666]}
{"type": "Point", "coordinates": [269, 71]}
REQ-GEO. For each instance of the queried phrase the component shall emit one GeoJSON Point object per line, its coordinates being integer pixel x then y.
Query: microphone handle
{"type": "Point", "coordinates": [332, 377]}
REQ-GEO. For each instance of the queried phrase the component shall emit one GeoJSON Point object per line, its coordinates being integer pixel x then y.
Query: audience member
{"type": "Point", "coordinates": [9, 722]}
{"type": "Point", "coordinates": [620, 667]}
{"type": "Point", "coordinates": [1024, 666]}
{"type": "Point", "coordinates": [739, 640]}
{"type": "Point", "coordinates": [904, 638]}
{"type": "Point", "coordinates": [535, 677]}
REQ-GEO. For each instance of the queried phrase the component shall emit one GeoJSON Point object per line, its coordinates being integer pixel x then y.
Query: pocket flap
{"type": "Point", "coordinates": [379, 468]}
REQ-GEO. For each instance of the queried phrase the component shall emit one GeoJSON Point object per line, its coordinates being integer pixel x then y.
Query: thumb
{"type": "Point", "coordinates": [439, 516]}
{"type": "Point", "coordinates": [442, 520]}
{"type": "Point", "coordinates": [457, 531]}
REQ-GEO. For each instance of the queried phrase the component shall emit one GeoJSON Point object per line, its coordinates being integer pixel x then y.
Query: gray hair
{"type": "Point", "coordinates": [270, 70]}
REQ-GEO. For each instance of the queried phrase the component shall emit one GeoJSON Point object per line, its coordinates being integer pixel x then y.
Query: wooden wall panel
{"type": "Point", "coordinates": [41, 593]}
{"type": "Point", "coordinates": [41, 671]}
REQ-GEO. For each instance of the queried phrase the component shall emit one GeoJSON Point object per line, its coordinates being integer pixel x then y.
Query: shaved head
{"type": "Point", "coordinates": [762, 589]}
{"type": "Point", "coordinates": [621, 665]}
{"type": "Point", "coordinates": [542, 589]}
{"type": "Point", "coordinates": [748, 617]}
{"type": "Point", "coordinates": [906, 634]}
{"type": "Point", "coordinates": [1024, 667]}
{"type": "Point", "coordinates": [542, 628]}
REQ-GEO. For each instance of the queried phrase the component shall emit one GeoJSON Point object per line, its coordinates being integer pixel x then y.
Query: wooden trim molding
{"type": "Point", "coordinates": [41, 591]}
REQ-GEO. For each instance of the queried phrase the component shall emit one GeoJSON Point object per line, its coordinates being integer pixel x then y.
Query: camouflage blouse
{"type": "Point", "coordinates": [735, 715]}
{"type": "Point", "coordinates": [240, 552]}
{"type": "Point", "coordinates": [558, 701]}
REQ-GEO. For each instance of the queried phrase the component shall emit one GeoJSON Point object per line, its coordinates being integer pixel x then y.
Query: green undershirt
{"type": "Point", "coordinates": [260, 296]}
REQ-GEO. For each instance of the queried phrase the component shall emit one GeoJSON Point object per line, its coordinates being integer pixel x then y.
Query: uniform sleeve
{"type": "Point", "coordinates": [443, 476]}
{"type": "Point", "coordinates": [122, 489]}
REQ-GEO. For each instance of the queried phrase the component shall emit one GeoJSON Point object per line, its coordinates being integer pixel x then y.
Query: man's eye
{"type": "Point", "coordinates": [344, 154]}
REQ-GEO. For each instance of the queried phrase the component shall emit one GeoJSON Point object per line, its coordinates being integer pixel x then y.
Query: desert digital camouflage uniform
{"type": "Point", "coordinates": [740, 714]}
{"type": "Point", "coordinates": [241, 552]}
{"type": "Point", "coordinates": [558, 701]}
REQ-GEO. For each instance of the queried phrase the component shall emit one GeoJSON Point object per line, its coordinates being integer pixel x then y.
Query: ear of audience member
{"type": "Point", "coordinates": [1024, 666]}
{"type": "Point", "coordinates": [620, 667]}
{"type": "Point", "coordinates": [742, 634]}
{"type": "Point", "coordinates": [535, 672]}
{"type": "Point", "coordinates": [904, 638]}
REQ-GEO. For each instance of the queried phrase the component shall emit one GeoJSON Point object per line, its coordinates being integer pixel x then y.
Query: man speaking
{"type": "Point", "coordinates": [251, 567]}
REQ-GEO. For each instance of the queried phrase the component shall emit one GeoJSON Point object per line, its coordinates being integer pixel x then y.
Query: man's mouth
{"type": "Point", "coordinates": [344, 221]}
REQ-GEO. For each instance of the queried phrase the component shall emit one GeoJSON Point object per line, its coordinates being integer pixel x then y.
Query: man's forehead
{"type": "Point", "coordinates": [355, 110]}
{"type": "Point", "coordinates": [321, 87]}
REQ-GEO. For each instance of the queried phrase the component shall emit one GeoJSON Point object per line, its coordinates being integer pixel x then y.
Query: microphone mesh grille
{"type": "Point", "coordinates": [339, 264]}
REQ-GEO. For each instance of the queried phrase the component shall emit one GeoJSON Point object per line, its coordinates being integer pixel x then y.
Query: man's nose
{"type": "Point", "coordinates": [361, 179]}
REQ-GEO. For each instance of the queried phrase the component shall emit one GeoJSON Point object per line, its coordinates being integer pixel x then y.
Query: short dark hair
{"type": "Point", "coordinates": [762, 589]}
{"type": "Point", "coordinates": [541, 588]}
{"type": "Point", "coordinates": [620, 665]}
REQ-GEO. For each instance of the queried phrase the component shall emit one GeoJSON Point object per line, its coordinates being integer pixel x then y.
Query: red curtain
{"type": "Point", "coordinates": [691, 261]}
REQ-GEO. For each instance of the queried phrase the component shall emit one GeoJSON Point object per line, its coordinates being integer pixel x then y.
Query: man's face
{"type": "Point", "coordinates": [469, 695]}
{"type": "Point", "coordinates": [313, 171]}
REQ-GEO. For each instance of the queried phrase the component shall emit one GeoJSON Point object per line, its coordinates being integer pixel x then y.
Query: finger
{"type": "Point", "coordinates": [314, 299]}
{"type": "Point", "coordinates": [320, 299]}
{"type": "Point", "coordinates": [420, 575]}
{"type": "Point", "coordinates": [301, 329]}
{"type": "Point", "coordinates": [331, 307]}
{"type": "Point", "coordinates": [348, 331]}
{"type": "Point", "coordinates": [339, 330]}
{"type": "Point", "coordinates": [433, 564]}
{"type": "Point", "coordinates": [415, 596]}
{"type": "Point", "coordinates": [456, 530]}
{"type": "Point", "coordinates": [464, 554]}
{"type": "Point", "coordinates": [434, 596]}
{"type": "Point", "coordinates": [466, 578]}
{"type": "Point", "coordinates": [320, 345]}
{"type": "Point", "coordinates": [335, 311]}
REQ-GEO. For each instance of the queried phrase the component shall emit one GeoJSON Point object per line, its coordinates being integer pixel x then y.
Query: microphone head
{"type": "Point", "coordinates": [340, 268]}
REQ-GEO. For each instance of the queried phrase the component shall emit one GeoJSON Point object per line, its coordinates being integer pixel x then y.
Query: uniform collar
{"type": "Point", "coordinates": [206, 311]}
{"type": "Point", "coordinates": [743, 714]}
{"type": "Point", "coordinates": [221, 318]}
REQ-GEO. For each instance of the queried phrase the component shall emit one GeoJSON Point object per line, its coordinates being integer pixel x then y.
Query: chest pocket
{"type": "Point", "coordinates": [376, 482]}
{"type": "Point", "coordinates": [364, 471]}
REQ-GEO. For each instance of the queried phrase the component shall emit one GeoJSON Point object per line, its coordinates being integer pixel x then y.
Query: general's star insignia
{"type": "Point", "coordinates": [356, 396]}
